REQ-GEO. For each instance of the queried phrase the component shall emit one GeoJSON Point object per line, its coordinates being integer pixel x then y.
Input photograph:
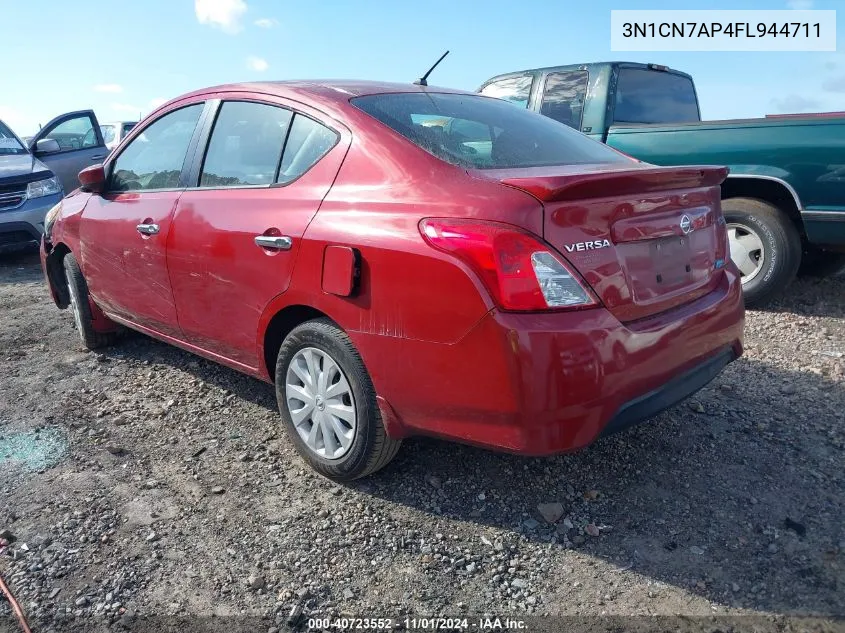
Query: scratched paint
{"type": "Point", "coordinates": [35, 450]}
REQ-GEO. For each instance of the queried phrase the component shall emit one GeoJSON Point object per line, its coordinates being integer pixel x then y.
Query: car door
{"type": "Point", "coordinates": [237, 231]}
{"type": "Point", "coordinates": [80, 145]}
{"type": "Point", "coordinates": [124, 230]}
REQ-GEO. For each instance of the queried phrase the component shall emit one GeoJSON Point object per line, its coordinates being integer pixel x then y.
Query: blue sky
{"type": "Point", "coordinates": [122, 58]}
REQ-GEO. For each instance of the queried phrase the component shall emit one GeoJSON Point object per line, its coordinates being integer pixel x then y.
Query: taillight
{"type": "Point", "coordinates": [521, 272]}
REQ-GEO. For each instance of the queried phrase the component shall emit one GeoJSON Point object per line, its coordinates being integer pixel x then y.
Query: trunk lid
{"type": "Point", "coordinates": [645, 238]}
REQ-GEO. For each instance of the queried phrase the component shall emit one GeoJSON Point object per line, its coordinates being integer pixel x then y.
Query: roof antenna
{"type": "Point", "coordinates": [422, 80]}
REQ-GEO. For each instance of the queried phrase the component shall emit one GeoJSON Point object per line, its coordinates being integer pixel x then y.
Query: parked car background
{"type": "Point", "coordinates": [27, 190]}
{"type": "Point", "coordinates": [68, 144]}
{"type": "Point", "coordinates": [115, 131]}
{"type": "Point", "coordinates": [784, 198]}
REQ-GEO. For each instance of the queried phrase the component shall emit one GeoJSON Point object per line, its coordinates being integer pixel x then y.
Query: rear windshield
{"type": "Point", "coordinates": [653, 96]}
{"type": "Point", "coordinates": [479, 132]}
{"type": "Point", "coordinates": [9, 144]}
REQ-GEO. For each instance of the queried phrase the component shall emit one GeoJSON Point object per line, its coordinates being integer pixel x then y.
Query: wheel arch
{"type": "Point", "coordinates": [55, 273]}
{"type": "Point", "coordinates": [771, 189]}
{"type": "Point", "coordinates": [279, 326]}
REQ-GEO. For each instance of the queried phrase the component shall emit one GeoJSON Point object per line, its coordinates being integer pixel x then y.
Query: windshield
{"type": "Point", "coordinates": [9, 144]}
{"type": "Point", "coordinates": [479, 132]}
{"type": "Point", "coordinates": [651, 96]}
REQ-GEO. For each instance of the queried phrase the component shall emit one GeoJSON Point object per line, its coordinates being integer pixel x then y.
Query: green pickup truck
{"type": "Point", "coordinates": [784, 200]}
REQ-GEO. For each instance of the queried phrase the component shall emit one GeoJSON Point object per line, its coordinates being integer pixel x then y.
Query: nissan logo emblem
{"type": "Point", "coordinates": [686, 224]}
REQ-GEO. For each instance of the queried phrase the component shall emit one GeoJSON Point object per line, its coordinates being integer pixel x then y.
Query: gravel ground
{"type": "Point", "coordinates": [162, 485]}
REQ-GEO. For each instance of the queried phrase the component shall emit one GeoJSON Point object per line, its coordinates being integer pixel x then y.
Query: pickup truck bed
{"type": "Point", "coordinates": [784, 198]}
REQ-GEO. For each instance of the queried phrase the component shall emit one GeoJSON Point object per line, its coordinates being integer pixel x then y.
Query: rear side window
{"type": "Point", "coordinates": [246, 145]}
{"type": "Point", "coordinates": [481, 133]}
{"type": "Point", "coordinates": [154, 158]}
{"type": "Point", "coordinates": [307, 143]}
{"type": "Point", "coordinates": [653, 96]}
{"type": "Point", "coordinates": [563, 97]}
{"type": "Point", "coordinates": [516, 89]}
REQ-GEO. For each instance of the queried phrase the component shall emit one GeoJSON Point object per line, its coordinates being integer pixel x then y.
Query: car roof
{"type": "Point", "coordinates": [323, 91]}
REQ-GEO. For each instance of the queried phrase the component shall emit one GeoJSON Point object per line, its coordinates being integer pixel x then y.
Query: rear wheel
{"type": "Point", "coordinates": [80, 306]}
{"type": "Point", "coordinates": [765, 246]}
{"type": "Point", "coordinates": [328, 403]}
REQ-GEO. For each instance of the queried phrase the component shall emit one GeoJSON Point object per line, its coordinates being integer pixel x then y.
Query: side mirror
{"type": "Point", "coordinates": [47, 146]}
{"type": "Point", "coordinates": [93, 179]}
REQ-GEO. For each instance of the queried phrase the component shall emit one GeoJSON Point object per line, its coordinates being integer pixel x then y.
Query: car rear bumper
{"type": "Point", "coordinates": [540, 384]}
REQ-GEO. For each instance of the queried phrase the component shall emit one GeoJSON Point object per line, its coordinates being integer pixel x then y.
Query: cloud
{"type": "Point", "coordinates": [836, 84]}
{"type": "Point", "coordinates": [257, 64]}
{"type": "Point", "coordinates": [126, 108]}
{"type": "Point", "coordinates": [796, 103]}
{"type": "Point", "coordinates": [112, 88]}
{"type": "Point", "coordinates": [222, 14]}
{"type": "Point", "coordinates": [158, 101]}
{"type": "Point", "coordinates": [266, 23]}
{"type": "Point", "coordinates": [800, 5]}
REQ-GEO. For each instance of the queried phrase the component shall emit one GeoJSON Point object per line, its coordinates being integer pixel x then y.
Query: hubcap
{"type": "Point", "coordinates": [320, 403]}
{"type": "Point", "coordinates": [74, 304]}
{"type": "Point", "coordinates": [747, 250]}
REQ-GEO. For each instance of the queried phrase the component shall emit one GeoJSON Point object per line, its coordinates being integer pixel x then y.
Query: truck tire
{"type": "Point", "coordinates": [765, 246]}
{"type": "Point", "coordinates": [819, 263]}
{"type": "Point", "coordinates": [328, 403]}
{"type": "Point", "coordinates": [83, 318]}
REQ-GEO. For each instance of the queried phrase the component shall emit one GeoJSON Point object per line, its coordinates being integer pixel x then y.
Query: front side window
{"type": "Point", "coordinates": [653, 96]}
{"type": "Point", "coordinates": [481, 133]}
{"type": "Point", "coordinates": [75, 133]}
{"type": "Point", "coordinates": [154, 158]}
{"type": "Point", "coordinates": [246, 145]}
{"type": "Point", "coordinates": [9, 144]}
{"type": "Point", "coordinates": [515, 89]}
{"type": "Point", "coordinates": [307, 143]}
{"type": "Point", "coordinates": [563, 97]}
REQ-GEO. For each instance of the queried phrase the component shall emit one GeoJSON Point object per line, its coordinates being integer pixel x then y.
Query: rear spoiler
{"type": "Point", "coordinates": [577, 186]}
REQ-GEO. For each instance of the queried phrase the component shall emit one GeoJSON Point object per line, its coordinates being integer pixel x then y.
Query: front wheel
{"type": "Point", "coordinates": [765, 246]}
{"type": "Point", "coordinates": [80, 306]}
{"type": "Point", "coordinates": [328, 403]}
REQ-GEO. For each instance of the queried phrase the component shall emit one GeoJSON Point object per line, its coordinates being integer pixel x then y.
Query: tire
{"type": "Point", "coordinates": [819, 263]}
{"type": "Point", "coordinates": [768, 270]}
{"type": "Point", "coordinates": [319, 348]}
{"type": "Point", "coordinates": [81, 308]}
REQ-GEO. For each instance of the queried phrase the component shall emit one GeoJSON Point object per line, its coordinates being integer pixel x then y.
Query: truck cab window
{"type": "Point", "coordinates": [652, 96]}
{"type": "Point", "coordinates": [563, 97]}
{"type": "Point", "coordinates": [515, 89]}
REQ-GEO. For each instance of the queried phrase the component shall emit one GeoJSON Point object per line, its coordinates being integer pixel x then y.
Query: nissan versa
{"type": "Point", "coordinates": [405, 260]}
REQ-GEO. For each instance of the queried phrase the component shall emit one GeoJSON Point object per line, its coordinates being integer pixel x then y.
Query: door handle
{"type": "Point", "coordinates": [147, 229]}
{"type": "Point", "coordinates": [274, 242]}
{"type": "Point", "coordinates": [98, 157]}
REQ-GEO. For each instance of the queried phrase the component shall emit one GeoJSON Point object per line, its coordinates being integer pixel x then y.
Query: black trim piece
{"type": "Point", "coordinates": [823, 216]}
{"type": "Point", "coordinates": [189, 178]}
{"type": "Point", "coordinates": [670, 394]}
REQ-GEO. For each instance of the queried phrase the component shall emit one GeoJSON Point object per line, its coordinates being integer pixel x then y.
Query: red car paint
{"type": "Point", "coordinates": [445, 359]}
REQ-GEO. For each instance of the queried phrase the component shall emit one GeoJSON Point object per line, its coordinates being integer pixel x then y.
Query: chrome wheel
{"type": "Point", "coordinates": [747, 250]}
{"type": "Point", "coordinates": [74, 302]}
{"type": "Point", "coordinates": [320, 402]}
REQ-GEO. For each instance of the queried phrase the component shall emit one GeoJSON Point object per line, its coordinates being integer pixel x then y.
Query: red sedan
{"type": "Point", "coordinates": [404, 260]}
